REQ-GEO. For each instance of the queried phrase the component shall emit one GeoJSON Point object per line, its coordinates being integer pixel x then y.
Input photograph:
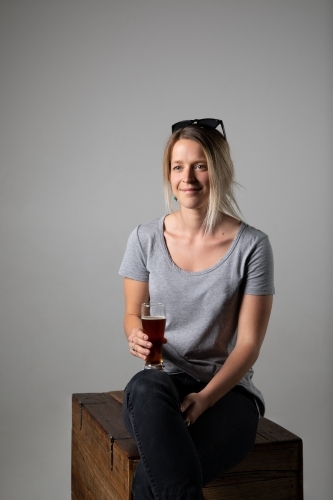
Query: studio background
{"type": "Point", "coordinates": [89, 90]}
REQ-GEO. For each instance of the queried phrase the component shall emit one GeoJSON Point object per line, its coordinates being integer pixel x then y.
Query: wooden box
{"type": "Point", "coordinates": [104, 458]}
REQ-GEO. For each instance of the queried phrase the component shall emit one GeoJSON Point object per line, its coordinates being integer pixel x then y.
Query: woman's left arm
{"type": "Point", "coordinates": [252, 325]}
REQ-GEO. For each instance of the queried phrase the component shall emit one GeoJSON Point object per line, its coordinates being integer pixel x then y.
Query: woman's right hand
{"type": "Point", "coordinates": [139, 344]}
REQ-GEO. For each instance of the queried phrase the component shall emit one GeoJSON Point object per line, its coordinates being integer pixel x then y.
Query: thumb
{"type": "Point", "coordinates": [185, 404]}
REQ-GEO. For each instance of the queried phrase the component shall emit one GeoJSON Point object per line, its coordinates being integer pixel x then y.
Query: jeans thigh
{"type": "Point", "coordinates": [225, 434]}
{"type": "Point", "coordinates": [185, 384]}
{"type": "Point", "coordinates": [170, 467]}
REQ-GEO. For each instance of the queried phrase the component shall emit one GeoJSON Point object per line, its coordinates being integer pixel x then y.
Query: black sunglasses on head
{"type": "Point", "coordinates": [204, 122]}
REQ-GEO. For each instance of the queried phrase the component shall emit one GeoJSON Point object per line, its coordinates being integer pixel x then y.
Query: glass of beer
{"type": "Point", "coordinates": [153, 324]}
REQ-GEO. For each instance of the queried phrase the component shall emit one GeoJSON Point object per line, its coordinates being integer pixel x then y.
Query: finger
{"type": "Point", "coordinates": [138, 354]}
{"type": "Point", "coordinates": [142, 351]}
{"type": "Point", "coordinates": [132, 345]}
{"type": "Point", "coordinates": [185, 404]}
{"type": "Point", "coordinates": [138, 351]}
{"type": "Point", "coordinates": [189, 417]}
{"type": "Point", "coordinates": [142, 336]}
{"type": "Point", "coordinates": [138, 333]}
{"type": "Point", "coordinates": [145, 344]}
{"type": "Point", "coordinates": [140, 339]}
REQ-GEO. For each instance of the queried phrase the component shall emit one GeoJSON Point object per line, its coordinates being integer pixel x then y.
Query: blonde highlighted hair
{"type": "Point", "coordinates": [220, 170]}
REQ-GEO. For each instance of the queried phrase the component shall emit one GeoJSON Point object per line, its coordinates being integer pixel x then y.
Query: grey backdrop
{"type": "Point", "coordinates": [89, 90]}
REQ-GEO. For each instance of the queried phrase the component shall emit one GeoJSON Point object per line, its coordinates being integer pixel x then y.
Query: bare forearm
{"type": "Point", "coordinates": [252, 324]}
{"type": "Point", "coordinates": [131, 321]}
{"type": "Point", "coordinates": [233, 370]}
{"type": "Point", "coordinates": [136, 292]}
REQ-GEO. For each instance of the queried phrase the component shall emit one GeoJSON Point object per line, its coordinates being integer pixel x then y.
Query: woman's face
{"type": "Point", "coordinates": [189, 177]}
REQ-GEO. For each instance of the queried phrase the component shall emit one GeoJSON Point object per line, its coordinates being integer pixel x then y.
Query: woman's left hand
{"type": "Point", "coordinates": [193, 406]}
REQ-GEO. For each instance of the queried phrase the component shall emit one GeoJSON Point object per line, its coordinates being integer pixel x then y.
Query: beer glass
{"type": "Point", "coordinates": [153, 325]}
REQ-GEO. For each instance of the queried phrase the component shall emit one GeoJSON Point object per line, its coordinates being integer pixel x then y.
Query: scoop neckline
{"type": "Point", "coordinates": [208, 269]}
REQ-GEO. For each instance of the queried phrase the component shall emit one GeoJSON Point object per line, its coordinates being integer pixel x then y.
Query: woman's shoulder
{"type": "Point", "coordinates": [147, 230]}
{"type": "Point", "coordinates": [253, 241]}
{"type": "Point", "coordinates": [252, 233]}
{"type": "Point", "coordinates": [151, 226]}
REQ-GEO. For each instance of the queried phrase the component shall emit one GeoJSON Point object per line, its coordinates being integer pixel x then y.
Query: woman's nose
{"type": "Point", "coordinates": [188, 176]}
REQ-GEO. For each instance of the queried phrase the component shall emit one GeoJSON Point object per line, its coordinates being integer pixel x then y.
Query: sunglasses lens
{"type": "Point", "coordinates": [209, 122]}
{"type": "Point", "coordinates": [178, 125]}
{"type": "Point", "coordinates": [204, 122]}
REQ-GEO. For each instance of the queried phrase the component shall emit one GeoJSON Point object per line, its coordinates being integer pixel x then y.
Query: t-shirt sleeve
{"type": "Point", "coordinates": [133, 265]}
{"type": "Point", "coordinates": [259, 278]}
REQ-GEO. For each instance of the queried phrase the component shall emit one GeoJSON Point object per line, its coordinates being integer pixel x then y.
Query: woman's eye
{"type": "Point", "coordinates": [176, 168]}
{"type": "Point", "coordinates": [201, 167]}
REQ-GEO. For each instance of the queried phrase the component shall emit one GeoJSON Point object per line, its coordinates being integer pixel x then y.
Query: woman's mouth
{"type": "Point", "coordinates": [190, 190]}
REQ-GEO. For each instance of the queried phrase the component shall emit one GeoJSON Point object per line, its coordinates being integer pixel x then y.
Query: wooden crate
{"type": "Point", "coordinates": [104, 458]}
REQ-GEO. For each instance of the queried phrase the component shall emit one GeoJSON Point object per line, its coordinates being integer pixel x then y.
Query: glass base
{"type": "Point", "coordinates": [159, 366]}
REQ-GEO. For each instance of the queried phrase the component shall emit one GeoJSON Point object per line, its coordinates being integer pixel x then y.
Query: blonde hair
{"type": "Point", "coordinates": [220, 170]}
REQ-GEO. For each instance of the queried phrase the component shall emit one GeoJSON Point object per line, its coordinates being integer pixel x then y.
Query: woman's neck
{"type": "Point", "coordinates": [190, 222]}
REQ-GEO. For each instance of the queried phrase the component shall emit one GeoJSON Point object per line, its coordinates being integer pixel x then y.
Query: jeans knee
{"type": "Point", "coordinates": [150, 385]}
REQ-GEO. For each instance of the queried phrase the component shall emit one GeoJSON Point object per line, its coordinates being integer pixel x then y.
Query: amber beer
{"type": "Point", "coordinates": [153, 325]}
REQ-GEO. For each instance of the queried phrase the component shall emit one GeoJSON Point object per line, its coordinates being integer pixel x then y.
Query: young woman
{"type": "Point", "coordinates": [199, 416]}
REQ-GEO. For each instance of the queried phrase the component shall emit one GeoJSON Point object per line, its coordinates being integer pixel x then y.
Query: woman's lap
{"type": "Point", "coordinates": [179, 460]}
{"type": "Point", "coordinates": [225, 433]}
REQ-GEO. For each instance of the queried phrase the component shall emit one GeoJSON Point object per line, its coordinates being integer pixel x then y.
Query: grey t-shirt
{"type": "Point", "coordinates": [201, 307]}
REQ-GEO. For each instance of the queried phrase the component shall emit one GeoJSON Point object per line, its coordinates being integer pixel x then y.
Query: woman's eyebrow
{"type": "Point", "coordinates": [195, 161]}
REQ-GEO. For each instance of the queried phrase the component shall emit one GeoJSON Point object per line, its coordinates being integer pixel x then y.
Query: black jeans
{"type": "Point", "coordinates": [176, 461]}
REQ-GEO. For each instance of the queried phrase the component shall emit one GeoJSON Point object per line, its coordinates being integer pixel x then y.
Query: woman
{"type": "Point", "coordinates": [199, 417]}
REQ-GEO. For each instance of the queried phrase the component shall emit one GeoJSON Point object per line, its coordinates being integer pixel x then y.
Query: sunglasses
{"type": "Point", "coordinates": [204, 122]}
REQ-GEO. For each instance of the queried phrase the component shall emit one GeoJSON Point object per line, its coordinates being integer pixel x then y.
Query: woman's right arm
{"type": "Point", "coordinates": [136, 292]}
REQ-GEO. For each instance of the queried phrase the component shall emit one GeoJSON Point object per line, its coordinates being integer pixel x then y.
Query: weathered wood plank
{"type": "Point", "coordinates": [261, 439]}
{"type": "Point", "coordinates": [249, 477]}
{"type": "Point", "coordinates": [91, 482]}
{"type": "Point", "coordinates": [107, 416]}
{"type": "Point", "coordinates": [117, 395]}
{"type": "Point", "coordinates": [105, 410]}
{"type": "Point", "coordinates": [275, 432]}
{"type": "Point", "coordinates": [279, 458]}
{"type": "Point", "coordinates": [95, 445]}
{"type": "Point", "coordinates": [277, 489]}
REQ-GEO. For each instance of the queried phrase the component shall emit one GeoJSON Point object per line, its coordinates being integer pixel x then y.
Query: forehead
{"type": "Point", "coordinates": [187, 149]}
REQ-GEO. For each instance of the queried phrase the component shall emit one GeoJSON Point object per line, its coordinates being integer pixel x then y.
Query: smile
{"type": "Point", "coordinates": [190, 190]}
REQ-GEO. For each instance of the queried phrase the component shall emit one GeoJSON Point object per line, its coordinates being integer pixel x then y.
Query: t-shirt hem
{"type": "Point", "coordinates": [259, 292]}
{"type": "Point", "coordinates": [132, 277]}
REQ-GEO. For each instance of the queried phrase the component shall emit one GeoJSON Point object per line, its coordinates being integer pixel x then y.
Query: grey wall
{"type": "Point", "coordinates": [89, 90]}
